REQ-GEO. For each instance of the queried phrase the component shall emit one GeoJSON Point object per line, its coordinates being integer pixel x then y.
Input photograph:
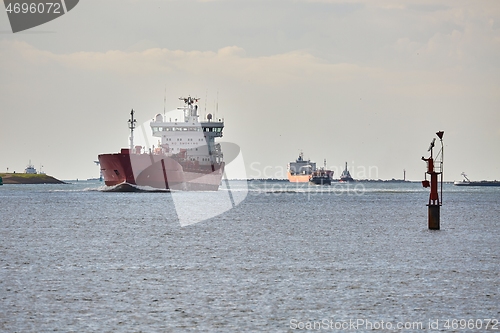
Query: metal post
{"type": "Point", "coordinates": [434, 204]}
{"type": "Point", "coordinates": [131, 126]}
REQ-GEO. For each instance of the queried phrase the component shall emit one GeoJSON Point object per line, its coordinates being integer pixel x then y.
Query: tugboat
{"type": "Point", "coordinates": [322, 176]}
{"type": "Point", "coordinates": [346, 176]}
{"type": "Point", "coordinates": [186, 158]}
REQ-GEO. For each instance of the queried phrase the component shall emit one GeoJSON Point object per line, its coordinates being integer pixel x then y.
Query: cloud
{"type": "Point", "coordinates": [229, 62]}
{"type": "Point", "coordinates": [296, 68]}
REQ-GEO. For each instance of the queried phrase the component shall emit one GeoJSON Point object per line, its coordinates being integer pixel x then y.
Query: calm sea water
{"type": "Point", "coordinates": [76, 259]}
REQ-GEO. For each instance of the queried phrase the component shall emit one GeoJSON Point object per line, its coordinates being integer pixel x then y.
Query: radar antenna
{"type": "Point", "coordinates": [189, 100]}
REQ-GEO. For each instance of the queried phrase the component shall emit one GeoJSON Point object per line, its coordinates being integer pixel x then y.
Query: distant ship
{"type": "Point", "coordinates": [322, 176]}
{"type": "Point", "coordinates": [302, 171]}
{"type": "Point", "coordinates": [186, 158]}
{"type": "Point", "coordinates": [30, 169]}
{"type": "Point", "coordinates": [346, 176]}
{"type": "Point", "coordinates": [467, 182]}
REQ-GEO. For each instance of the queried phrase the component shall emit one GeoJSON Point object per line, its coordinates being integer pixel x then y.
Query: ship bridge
{"type": "Point", "coordinates": [189, 135]}
{"type": "Point", "coordinates": [213, 128]}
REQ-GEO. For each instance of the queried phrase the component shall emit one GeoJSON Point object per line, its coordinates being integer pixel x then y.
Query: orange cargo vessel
{"type": "Point", "coordinates": [298, 178]}
{"type": "Point", "coordinates": [302, 171]}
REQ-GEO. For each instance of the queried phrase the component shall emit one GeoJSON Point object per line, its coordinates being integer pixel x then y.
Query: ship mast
{"type": "Point", "coordinates": [131, 126]}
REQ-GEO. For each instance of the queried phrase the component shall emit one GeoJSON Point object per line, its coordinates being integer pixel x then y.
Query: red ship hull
{"type": "Point", "coordinates": [159, 171]}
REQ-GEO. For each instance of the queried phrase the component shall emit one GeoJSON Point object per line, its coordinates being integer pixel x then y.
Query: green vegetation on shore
{"type": "Point", "coordinates": [29, 178]}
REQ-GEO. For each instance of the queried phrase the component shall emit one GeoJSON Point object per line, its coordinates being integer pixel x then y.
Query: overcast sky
{"type": "Point", "coordinates": [363, 82]}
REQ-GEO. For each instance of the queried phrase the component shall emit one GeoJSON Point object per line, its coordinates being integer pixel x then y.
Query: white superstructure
{"type": "Point", "coordinates": [30, 169]}
{"type": "Point", "coordinates": [189, 138]}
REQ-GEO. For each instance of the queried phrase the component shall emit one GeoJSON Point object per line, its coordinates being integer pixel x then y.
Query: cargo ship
{"type": "Point", "coordinates": [322, 176]}
{"type": "Point", "coordinates": [467, 182]}
{"type": "Point", "coordinates": [186, 157]}
{"type": "Point", "coordinates": [303, 171]}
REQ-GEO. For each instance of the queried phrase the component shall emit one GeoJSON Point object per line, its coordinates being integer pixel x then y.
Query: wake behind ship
{"type": "Point", "coordinates": [186, 157]}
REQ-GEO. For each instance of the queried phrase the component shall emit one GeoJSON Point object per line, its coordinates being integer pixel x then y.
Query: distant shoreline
{"type": "Point", "coordinates": [27, 178]}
